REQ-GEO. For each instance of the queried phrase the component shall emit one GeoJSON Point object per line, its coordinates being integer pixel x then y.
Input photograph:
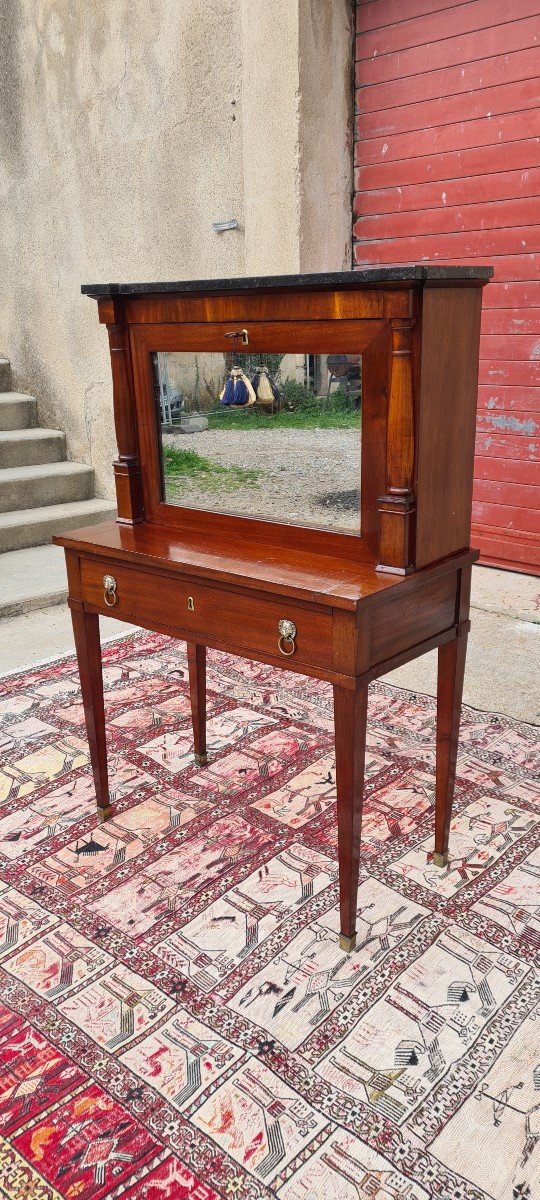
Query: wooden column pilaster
{"type": "Point", "coordinates": [127, 475]}
{"type": "Point", "coordinates": [397, 504]}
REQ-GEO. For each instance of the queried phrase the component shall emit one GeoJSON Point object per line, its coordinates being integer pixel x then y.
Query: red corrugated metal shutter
{"type": "Point", "coordinates": [448, 169]}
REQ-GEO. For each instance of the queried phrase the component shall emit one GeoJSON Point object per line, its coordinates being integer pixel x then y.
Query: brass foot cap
{"type": "Point", "coordinates": [201, 759]}
{"type": "Point", "coordinates": [104, 813]}
{"type": "Point", "coordinates": [347, 943]}
{"type": "Point", "coordinates": [440, 860]}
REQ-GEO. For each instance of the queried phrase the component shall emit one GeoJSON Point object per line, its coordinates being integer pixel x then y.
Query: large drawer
{"type": "Point", "coordinates": [233, 619]}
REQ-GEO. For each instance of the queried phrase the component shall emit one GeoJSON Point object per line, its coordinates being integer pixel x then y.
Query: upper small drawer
{"type": "Point", "coordinates": [239, 620]}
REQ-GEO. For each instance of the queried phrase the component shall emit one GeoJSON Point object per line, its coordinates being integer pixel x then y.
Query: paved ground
{"type": "Point", "coordinates": [503, 664]}
{"type": "Point", "coordinates": [29, 579]}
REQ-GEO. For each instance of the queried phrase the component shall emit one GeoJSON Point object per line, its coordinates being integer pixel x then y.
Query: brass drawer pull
{"type": "Point", "coordinates": [109, 595]}
{"type": "Point", "coordinates": [287, 634]}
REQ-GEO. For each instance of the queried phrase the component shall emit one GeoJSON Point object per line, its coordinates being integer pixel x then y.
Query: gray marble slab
{"type": "Point", "coordinates": [326, 281]}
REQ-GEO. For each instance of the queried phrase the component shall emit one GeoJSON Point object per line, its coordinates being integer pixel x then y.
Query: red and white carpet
{"type": "Point", "coordinates": [177, 1019]}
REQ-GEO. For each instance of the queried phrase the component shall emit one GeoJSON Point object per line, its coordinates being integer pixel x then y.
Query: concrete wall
{"type": "Point", "coordinates": [126, 129]}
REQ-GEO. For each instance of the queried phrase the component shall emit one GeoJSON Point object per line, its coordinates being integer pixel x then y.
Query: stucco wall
{"type": "Point", "coordinates": [126, 129]}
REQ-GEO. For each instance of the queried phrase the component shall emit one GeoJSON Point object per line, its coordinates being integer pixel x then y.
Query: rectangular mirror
{"type": "Point", "coordinates": [262, 435]}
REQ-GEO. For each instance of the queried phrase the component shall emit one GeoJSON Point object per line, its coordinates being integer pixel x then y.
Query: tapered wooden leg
{"type": "Point", "coordinates": [197, 688]}
{"type": "Point", "coordinates": [451, 670]}
{"type": "Point", "coordinates": [88, 647]}
{"type": "Point", "coordinates": [350, 717]}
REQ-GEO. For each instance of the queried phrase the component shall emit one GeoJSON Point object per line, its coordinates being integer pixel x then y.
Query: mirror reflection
{"type": "Point", "coordinates": [262, 435]}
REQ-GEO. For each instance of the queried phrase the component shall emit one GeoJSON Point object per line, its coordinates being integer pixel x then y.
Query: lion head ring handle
{"type": "Point", "coordinates": [109, 594]}
{"type": "Point", "coordinates": [287, 635]}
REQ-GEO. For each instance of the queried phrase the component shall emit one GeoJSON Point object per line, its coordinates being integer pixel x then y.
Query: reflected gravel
{"type": "Point", "coordinates": [311, 476]}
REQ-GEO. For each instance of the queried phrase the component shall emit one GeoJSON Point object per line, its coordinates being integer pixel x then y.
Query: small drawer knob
{"type": "Point", "coordinates": [109, 593]}
{"type": "Point", "coordinates": [287, 635]}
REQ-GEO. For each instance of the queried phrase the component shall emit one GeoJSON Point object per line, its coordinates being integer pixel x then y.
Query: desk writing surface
{"type": "Point", "coordinates": [311, 577]}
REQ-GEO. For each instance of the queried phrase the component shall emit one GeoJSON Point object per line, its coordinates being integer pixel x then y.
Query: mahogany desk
{"type": "Point", "coordinates": [353, 606]}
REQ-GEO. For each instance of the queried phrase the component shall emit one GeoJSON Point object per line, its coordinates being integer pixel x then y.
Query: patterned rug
{"type": "Point", "coordinates": [177, 1019]}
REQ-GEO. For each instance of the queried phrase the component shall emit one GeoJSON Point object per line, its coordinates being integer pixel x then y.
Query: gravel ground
{"type": "Point", "coordinates": [307, 475]}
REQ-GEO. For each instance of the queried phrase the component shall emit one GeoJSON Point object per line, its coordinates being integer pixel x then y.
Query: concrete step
{"type": "Point", "coordinates": [36, 526]}
{"type": "Point", "coordinates": [17, 411]}
{"type": "Point", "coordinates": [32, 579]}
{"type": "Point", "coordinates": [5, 374]}
{"type": "Point", "coordinates": [38, 486]}
{"type": "Point", "coordinates": [28, 447]}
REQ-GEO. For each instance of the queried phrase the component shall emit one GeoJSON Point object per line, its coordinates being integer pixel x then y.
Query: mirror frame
{"type": "Point", "coordinates": [280, 469]}
{"type": "Point", "coordinates": [283, 337]}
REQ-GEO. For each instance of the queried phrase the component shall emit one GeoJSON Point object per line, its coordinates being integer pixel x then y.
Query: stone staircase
{"type": "Point", "coordinates": [41, 493]}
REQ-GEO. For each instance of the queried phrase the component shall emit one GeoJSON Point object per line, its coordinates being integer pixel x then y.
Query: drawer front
{"type": "Point", "coordinates": [200, 610]}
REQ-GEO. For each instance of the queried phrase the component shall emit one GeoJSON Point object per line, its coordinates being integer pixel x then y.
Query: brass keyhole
{"type": "Point", "coordinates": [191, 604]}
{"type": "Point", "coordinates": [238, 333]}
